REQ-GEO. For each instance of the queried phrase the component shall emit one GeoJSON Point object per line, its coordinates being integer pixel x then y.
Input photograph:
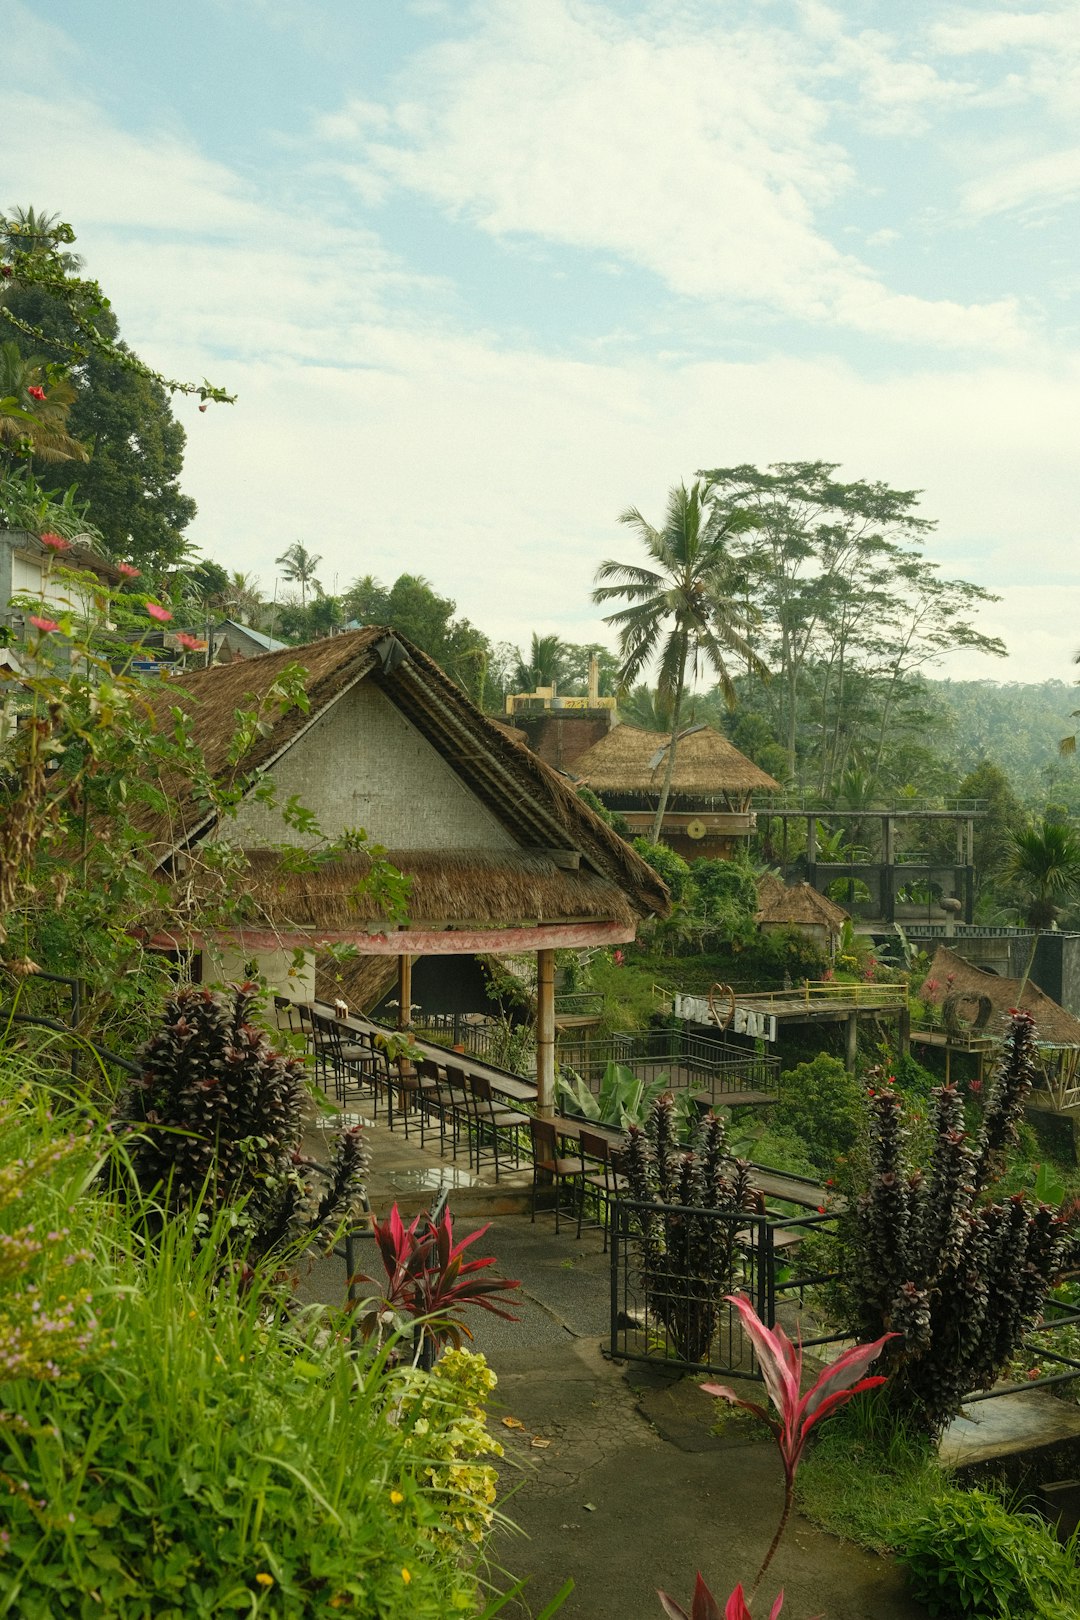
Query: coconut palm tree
{"type": "Point", "coordinates": [545, 664]}
{"type": "Point", "coordinates": [298, 566]}
{"type": "Point", "coordinates": [681, 610]}
{"type": "Point", "coordinates": [1045, 862]}
{"type": "Point", "coordinates": [243, 596]}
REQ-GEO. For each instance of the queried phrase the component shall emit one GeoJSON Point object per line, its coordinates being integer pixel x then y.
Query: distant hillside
{"type": "Point", "coordinates": [1018, 726]}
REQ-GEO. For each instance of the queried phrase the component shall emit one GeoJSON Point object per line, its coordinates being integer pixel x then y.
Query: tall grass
{"type": "Point", "coordinates": [869, 1476]}
{"type": "Point", "coordinates": [206, 1450]}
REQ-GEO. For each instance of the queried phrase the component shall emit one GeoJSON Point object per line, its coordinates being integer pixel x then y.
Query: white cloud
{"type": "Point", "coordinates": [1030, 185]}
{"type": "Point", "coordinates": [699, 155]}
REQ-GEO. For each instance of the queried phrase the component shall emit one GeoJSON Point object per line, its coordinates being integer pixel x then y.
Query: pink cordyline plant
{"type": "Point", "coordinates": [428, 1279]}
{"type": "Point", "coordinates": [781, 1368]}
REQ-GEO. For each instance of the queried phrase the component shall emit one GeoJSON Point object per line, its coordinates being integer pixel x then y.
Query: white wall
{"type": "Point", "coordinates": [362, 764]}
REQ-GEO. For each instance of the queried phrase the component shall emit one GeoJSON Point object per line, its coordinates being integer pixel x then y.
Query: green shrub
{"type": "Point", "coordinates": [968, 1557]}
{"type": "Point", "coordinates": [822, 1105]}
{"type": "Point", "coordinates": [215, 1121]}
{"type": "Point", "coordinates": [208, 1453]}
{"type": "Point", "coordinates": [670, 865]}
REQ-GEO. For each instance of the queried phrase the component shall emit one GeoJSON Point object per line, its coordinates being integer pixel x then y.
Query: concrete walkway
{"type": "Point", "coordinates": [612, 1476]}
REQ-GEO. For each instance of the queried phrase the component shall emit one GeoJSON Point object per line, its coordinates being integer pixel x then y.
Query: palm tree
{"type": "Point", "coordinates": [545, 664]}
{"type": "Point", "coordinates": [298, 566]}
{"type": "Point", "coordinates": [34, 404]}
{"type": "Point", "coordinates": [680, 610]}
{"type": "Point", "coordinates": [1045, 862]}
{"type": "Point", "coordinates": [243, 596]}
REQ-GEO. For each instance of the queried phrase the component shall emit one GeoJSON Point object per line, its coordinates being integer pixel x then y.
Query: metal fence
{"type": "Point", "coordinates": [691, 1062]}
{"type": "Point", "coordinates": [670, 1269]}
{"type": "Point", "coordinates": [667, 1297]}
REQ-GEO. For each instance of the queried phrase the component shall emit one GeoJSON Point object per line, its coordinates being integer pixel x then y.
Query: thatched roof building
{"type": "Point", "coordinates": [502, 854]}
{"type": "Point", "coordinates": [708, 811]}
{"type": "Point", "coordinates": [950, 975]}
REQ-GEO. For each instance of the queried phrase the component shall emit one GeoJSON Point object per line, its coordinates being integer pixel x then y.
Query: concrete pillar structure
{"type": "Point", "coordinates": [545, 1033]}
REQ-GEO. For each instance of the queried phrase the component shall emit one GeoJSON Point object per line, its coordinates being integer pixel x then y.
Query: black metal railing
{"type": "Point", "coordinates": [667, 1298]}
{"type": "Point", "coordinates": [691, 1062]}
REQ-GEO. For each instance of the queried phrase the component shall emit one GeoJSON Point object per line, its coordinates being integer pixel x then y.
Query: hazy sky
{"type": "Point", "coordinates": [484, 274]}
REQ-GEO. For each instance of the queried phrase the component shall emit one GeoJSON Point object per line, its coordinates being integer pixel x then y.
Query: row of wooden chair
{"type": "Point", "coordinates": [594, 1170]}
{"type": "Point", "coordinates": [466, 1112]}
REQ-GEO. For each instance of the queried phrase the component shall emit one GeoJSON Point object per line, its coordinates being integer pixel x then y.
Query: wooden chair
{"type": "Point", "coordinates": [605, 1182]}
{"type": "Point", "coordinates": [556, 1168]}
{"type": "Point", "coordinates": [436, 1101]}
{"type": "Point", "coordinates": [492, 1120]}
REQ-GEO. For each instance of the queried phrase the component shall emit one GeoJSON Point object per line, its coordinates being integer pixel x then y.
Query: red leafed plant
{"type": "Point", "coordinates": [428, 1281]}
{"type": "Point", "coordinates": [781, 1368]}
{"type": "Point", "coordinates": [705, 1606]}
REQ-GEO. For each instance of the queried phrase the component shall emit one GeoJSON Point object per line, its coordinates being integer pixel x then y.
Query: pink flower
{"type": "Point", "coordinates": [128, 570]}
{"type": "Point", "coordinates": [188, 642]}
{"type": "Point", "coordinates": [55, 542]}
{"type": "Point", "coordinates": [36, 393]}
{"type": "Point", "coordinates": [44, 625]}
{"type": "Point", "coordinates": [161, 614]}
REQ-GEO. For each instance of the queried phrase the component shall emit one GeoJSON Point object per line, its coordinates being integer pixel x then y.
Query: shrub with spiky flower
{"type": "Point", "coordinates": [215, 1120]}
{"type": "Point", "coordinates": [960, 1278]}
{"type": "Point", "coordinates": [686, 1258]}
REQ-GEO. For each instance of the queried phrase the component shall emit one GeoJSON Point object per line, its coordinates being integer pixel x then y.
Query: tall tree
{"type": "Point", "coordinates": [121, 408]}
{"type": "Point", "coordinates": [298, 566]}
{"type": "Point", "coordinates": [680, 610]}
{"type": "Point", "coordinates": [848, 606]}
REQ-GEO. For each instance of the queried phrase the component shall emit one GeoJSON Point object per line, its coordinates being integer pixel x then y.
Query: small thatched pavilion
{"type": "Point", "coordinates": [798, 905]}
{"type": "Point", "coordinates": [502, 854]}
{"type": "Point", "coordinates": [708, 811]}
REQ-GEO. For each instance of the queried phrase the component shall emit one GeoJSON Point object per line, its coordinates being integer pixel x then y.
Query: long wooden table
{"type": "Point", "coordinates": [511, 1086]}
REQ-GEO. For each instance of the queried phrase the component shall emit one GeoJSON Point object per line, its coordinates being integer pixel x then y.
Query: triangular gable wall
{"type": "Point", "coordinates": [363, 764]}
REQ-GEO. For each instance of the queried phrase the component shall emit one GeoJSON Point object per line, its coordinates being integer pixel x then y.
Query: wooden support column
{"type": "Point", "coordinates": [903, 1033]}
{"type": "Point", "coordinates": [852, 1052]}
{"type": "Point", "coordinates": [545, 1033]}
{"type": "Point", "coordinates": [404, 985]}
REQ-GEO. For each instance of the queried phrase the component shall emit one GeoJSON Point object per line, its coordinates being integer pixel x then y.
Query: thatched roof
{"type": "Point", "coordinates": [539, 810]}
{"type": "Point", "coordinates": [470, 888]}
{"type": "Point", "coordinates": [950, 975]}
{"type": "Point", "coordinates": [798, 904]}
{"type": "Point", "coordinates": [629, 760]}
{"type": "Point", "coordinates": [361, 981]}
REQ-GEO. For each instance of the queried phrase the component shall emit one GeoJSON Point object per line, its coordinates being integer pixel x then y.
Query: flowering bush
{"type": "Point", "coordinates": [212, 1454]}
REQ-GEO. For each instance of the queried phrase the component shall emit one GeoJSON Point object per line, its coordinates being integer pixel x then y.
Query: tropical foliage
{"type": "Point", "coordinates": [681, 611]}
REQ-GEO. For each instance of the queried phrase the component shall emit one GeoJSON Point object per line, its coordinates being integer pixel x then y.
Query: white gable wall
{"type": "Point", "coordinates": [363, 764]}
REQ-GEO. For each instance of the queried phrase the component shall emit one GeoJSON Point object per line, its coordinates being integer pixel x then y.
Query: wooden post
{"type": "Point", "coordinates": [852, 1053]}
{"type": "Point", "coordinates": [545, 1033]}
{"type": "Point", "coordinates": [404, 983]}
{"type": "Point", "coordinates": [903, 1033]}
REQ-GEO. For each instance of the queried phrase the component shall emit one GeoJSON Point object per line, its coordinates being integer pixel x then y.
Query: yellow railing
{"type": "Point", "coordinates": [815, 992]}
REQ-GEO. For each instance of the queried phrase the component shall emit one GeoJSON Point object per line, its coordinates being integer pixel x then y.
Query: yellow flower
{"type": "Point", "coordinates": [406, 1577]}
{"type": "Point", "coordinates": [264, 1580]}
{"type": "Point", "coordinates": [396, 1497]}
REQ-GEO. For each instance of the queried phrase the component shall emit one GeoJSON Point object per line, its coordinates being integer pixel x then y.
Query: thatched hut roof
{"type": "Point", "coordinates": [535, 806]}
{"type": "Point", "coordinates": [470, 888]}
{"type": "Point", "coordinates": [631, 761]}
{"type": "Point", "coordinates": [360, 981]}
{"type": "Point", "coordinates": [798, 904]}
{"type": "Point", "coordinates": [950, 975]}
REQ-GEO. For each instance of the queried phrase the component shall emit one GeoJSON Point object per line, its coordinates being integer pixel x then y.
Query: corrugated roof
{"type": "Point", "coordinates": [267, 643]}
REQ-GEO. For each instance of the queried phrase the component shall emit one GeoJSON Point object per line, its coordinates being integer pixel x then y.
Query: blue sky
{"type": "Point", "coordinates": [484, 274]}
